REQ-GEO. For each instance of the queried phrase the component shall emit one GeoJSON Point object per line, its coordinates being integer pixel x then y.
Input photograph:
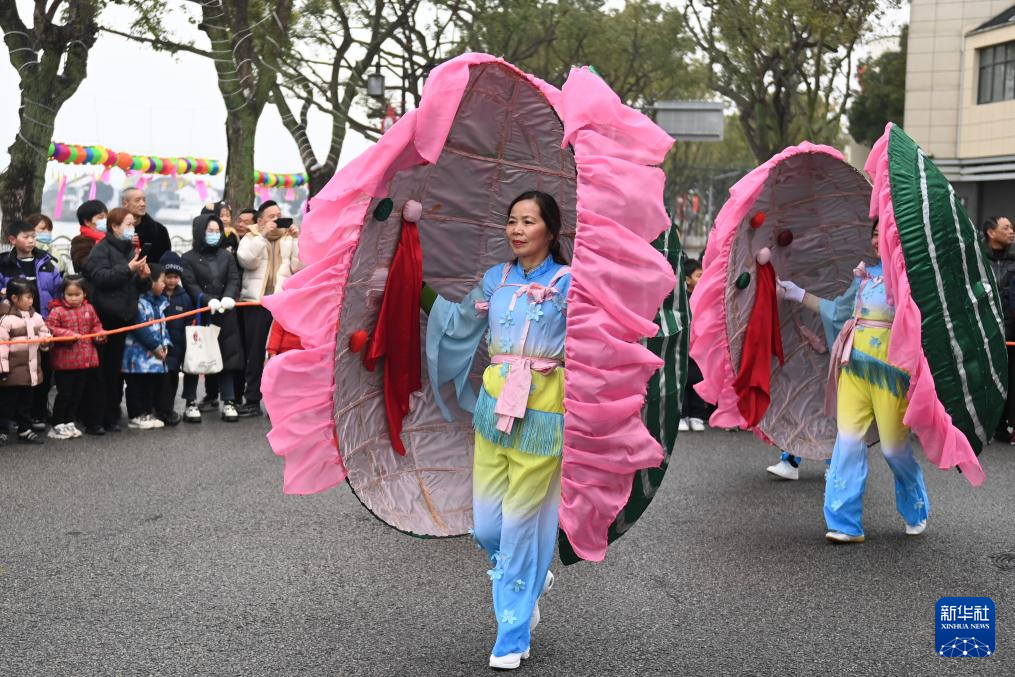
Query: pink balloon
{"type": "Point", "coordinates": [763, 256]}
{"type": "Point", "coordinates": [412, 211]}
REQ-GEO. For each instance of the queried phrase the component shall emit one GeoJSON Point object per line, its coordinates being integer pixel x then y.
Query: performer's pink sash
{"type": "Point", "coordinates": [515, 393]}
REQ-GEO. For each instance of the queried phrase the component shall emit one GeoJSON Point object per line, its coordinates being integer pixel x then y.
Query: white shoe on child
{"type": "Point", "coordinates": [73, 430]}
{"type": "Point", "coordinates": [154, 422]}
{"type": "Point", "coordinates": [140, 423]}
{"type": "Point", "coordinates": [683, 426]}
{"type": "Point", "coordinates": [697, 425]}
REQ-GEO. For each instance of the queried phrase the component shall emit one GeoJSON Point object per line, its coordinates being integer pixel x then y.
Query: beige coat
{"type": "Point", "coordinates": [252, 255]}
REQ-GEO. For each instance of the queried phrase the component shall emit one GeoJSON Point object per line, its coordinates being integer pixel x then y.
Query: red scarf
{"type": "Point", "coordinates": [396, 337]}
{"type": "Point", "coordinates": [90, 232]}
{"type": "Point", "coordinates": [762, 340]}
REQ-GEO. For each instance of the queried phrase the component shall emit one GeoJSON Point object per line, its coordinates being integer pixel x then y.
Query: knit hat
{"type": "Point", "coordinates": [172, 263]}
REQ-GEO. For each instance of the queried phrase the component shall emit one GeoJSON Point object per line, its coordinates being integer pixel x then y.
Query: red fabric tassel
{"type": "Point", "coordinates": [396, 336]}
{"type": "Point", "coordinates": [762, 340]}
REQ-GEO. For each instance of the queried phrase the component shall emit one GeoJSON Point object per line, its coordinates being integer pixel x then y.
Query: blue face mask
{"type": "Point", "coordinates": [212, 238]}
{"type": "Point", "coordinates": [127, 234]}
{"type": "Point", "coordinates": [44, 237]}
{"type": "Point", "coordinates": [100, 225]}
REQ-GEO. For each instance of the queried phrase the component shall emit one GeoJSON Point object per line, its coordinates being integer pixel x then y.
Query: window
{"type": "Point", "coordinates": [997, 73]}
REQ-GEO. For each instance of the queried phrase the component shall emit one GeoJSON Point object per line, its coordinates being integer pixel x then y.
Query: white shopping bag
{"type": "Point", "coordinates": [203, 355]}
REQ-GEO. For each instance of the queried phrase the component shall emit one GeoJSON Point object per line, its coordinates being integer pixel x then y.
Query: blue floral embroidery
{"type": "Point", "coordinates": [507, 320]}
{"type": "Point", "coordinates": [504, 369]}
{"type": "Point", "coordinates": [535, 311]}
{"type": "Point", "coordinates": [501, 557]}
{"type": "Point", "coordinates": [506, 345]}
{"type": "Point", "coordinates": [839, 484]}
{"type": "Point", "coordinates": [508, 617]}
{"type": "Point", "coordinates": [919, 504]}
{"type": "Point", "coordinates": [518, 585]}
{"type": "Point", "coordinates": [495, 574]}
{"type": "Point", "coordinates": [865, 311]}
{"type": "Point", "coordinates": [875, 342]}
{"type": "Point", "coordinates": [835, 505]}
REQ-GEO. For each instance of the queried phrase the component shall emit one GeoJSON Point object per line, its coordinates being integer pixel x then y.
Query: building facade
{"type": "Point", "coordinates": [960, 97]}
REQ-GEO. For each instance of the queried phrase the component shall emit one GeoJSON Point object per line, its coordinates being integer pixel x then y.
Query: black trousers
{"type": "Point", "coordinates": [110, 365]}
{"type": "Point", "coordinates": [16, 405]}
{"type": "Point", "coordinates": [1009, 407]}
{"type": "Point", "coordinates": [256, 327]}
{"type": "Point", "coordinates": [165, 401]}
{"type": "Point", "coordinates": [694, 406]}
{"type": "Point", "coordinates": [77, 393]}
{"type": "Point", "coordinates": [40, 393]}
{"type": "Point", "coordinates": [141, 392]}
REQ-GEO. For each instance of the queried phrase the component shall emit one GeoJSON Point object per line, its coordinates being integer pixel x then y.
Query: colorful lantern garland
{"type": "Point", "coordinates": [100, 155]}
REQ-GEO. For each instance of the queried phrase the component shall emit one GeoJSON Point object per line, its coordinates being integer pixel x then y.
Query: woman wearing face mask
{"type": "Point", "coordinates": [212, 279]}
{"type": "Point", "coordinates": [119, 275]}
{"type": "Point", "coordinates": [44, 239]}
{"type": "Point", "coordinates": [92, 219]}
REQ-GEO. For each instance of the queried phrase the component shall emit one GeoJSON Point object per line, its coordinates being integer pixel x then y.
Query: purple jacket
{"type": "Point", "coordinates": [47, 277]}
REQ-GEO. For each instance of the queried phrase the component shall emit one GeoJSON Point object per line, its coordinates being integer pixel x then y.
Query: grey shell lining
{"type": "Point", "coordinates": [505, 140]}
{"type": "Point", "coordinates": [824, 202]}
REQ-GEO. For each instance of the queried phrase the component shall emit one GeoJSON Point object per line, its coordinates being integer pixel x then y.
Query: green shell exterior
{"type": "Point", "coordinates": [962, 331]}
{"type": "Point", "coordinates": [665, 396]}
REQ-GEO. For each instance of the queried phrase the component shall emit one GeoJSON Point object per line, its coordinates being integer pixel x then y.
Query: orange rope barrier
{"type": "Point", "coordinates": [121, 330]}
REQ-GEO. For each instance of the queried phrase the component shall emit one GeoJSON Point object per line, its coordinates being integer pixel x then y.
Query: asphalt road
{"type": "Point", "coordinates": [175, 552]}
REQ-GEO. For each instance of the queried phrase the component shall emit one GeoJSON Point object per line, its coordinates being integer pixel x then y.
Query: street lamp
{"type": "Point", "coordinates": [375, 84]}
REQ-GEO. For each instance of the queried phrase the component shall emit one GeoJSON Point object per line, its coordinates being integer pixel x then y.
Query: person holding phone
{"type": "Point", "coordinates": [269, 253]}
{"type": "Point", "coordinates": [119, 275]}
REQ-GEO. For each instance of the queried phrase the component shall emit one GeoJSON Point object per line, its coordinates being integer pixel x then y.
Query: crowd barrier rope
{"type": "Point", "coordinates": [122, 330]}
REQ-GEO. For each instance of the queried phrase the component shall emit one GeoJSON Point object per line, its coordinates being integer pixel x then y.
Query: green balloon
{"type": "Point", "coordinates": [743, 279]}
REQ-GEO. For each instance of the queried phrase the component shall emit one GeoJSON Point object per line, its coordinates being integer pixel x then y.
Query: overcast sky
{"type": "Point", "coordinates": [151, 103]}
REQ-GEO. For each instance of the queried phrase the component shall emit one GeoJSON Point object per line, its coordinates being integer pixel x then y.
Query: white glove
{"type": "Point", "coordinates": [227, 303]}
{"type": "Point", "coordinates": [790, 291]}
{"type": "Point", "coordinates": [215, 306]}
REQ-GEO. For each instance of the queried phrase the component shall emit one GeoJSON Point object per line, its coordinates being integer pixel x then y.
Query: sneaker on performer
{"type": "Point", "coordinates": [191, 413]}
{"type": "Point", "coordinates": [547, 585]}
{"type": "Point", "coordinates": [839, 537]}
{"type": "Point", "coordinates": [787, 468]}
{"type": "Point", "coordinates": [916, 529]}
{"type": "Point", "coordinates": [684, 425]}
{"type": "Point", "coordinates": [508, 662]}
{"type": "Point", "coordinates": [60, 432]}
{"type": "Point", "coordinates": [697, 424]}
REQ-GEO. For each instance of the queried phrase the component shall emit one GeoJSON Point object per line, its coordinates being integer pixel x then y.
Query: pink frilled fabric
{"type": "Point", "coordinates": [944, 444]}
{"type": "Point", "coordinates": [618, 283]}
{"type": "Point", "coordinates": [709, 344]}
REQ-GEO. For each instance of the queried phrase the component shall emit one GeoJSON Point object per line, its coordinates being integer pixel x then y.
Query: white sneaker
{"type": "Point", "coordinates": [73, 430]}
{"type": "Point", "coordinates": [139, 423]}
{"type": "Point", "coordinates": [547, 586]}
{"type": "Point", "coordinates": [683, 426]}
{"type": "Point", "coordinates": [697, 425]}
{"type": "Point", "coordinates": [509, 662]}
{"type": "Point", "coordinates": [916, 529]}
{"type": "Point", "coordinates": [192, 414]}
{"type": "Point", "coordinates": [784, 470]}
{"type": "Point", "coordinates": [59, 432]}
{"type": "Point", "coordinates": [839, 537]}
{"type": "Point", "coordinates": [154, 422]}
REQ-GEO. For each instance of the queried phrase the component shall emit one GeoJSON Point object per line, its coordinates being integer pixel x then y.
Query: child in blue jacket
{"type": "Point", "coordinates": [179, 302]}
{"type": "Point", "coordinates": [144, 355]}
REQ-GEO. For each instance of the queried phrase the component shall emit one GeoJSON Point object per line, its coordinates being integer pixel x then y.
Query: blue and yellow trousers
{"type": "Point", "coordinates": [861, 401]}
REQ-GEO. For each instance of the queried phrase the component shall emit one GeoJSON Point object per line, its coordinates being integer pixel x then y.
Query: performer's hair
{"type": "Point", "coordinates": [550, 212]}
{"type": "Point", "coordinates": [991, 223]}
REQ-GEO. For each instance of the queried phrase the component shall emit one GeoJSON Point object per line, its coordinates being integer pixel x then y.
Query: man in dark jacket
{"type": "Point", "coordinates": [118, 277]}
{"type": "Point", "coordinates": [149, 231]}
{"type": "Point", "coordinates": [998, 236]}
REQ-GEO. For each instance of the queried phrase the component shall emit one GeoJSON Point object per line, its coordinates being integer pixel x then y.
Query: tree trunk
{"type": "Point", "coordinates": [241, 128]}
{"type": "Point", "coordinates": [21, 184]}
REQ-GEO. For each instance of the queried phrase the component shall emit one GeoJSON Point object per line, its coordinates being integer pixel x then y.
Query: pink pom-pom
{"type": "Point", "coordinates": [412, 211]}
{"type": "Point", "coordinates": [763, 256]}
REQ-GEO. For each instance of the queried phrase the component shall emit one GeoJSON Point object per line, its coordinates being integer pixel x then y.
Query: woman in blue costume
{"type": "Point", "coordinates": [519, 413]}
{"type": "Point", "coordinates": [865, 387]}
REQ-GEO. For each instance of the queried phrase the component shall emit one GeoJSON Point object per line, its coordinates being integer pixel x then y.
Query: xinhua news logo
{"type": "Point", "coordinates": [964, 627]}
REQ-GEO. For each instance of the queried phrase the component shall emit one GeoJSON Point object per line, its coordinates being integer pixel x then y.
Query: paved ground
{"type": "Point", "coordinates": [175, 552]}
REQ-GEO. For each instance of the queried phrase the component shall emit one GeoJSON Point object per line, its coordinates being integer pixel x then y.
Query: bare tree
{"type": "Point", "coordinates": [51, 59]}
{"type": "Point", "coordinates": [786, 64]}
{"type": "Point", "coordinates": [248, 42]}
